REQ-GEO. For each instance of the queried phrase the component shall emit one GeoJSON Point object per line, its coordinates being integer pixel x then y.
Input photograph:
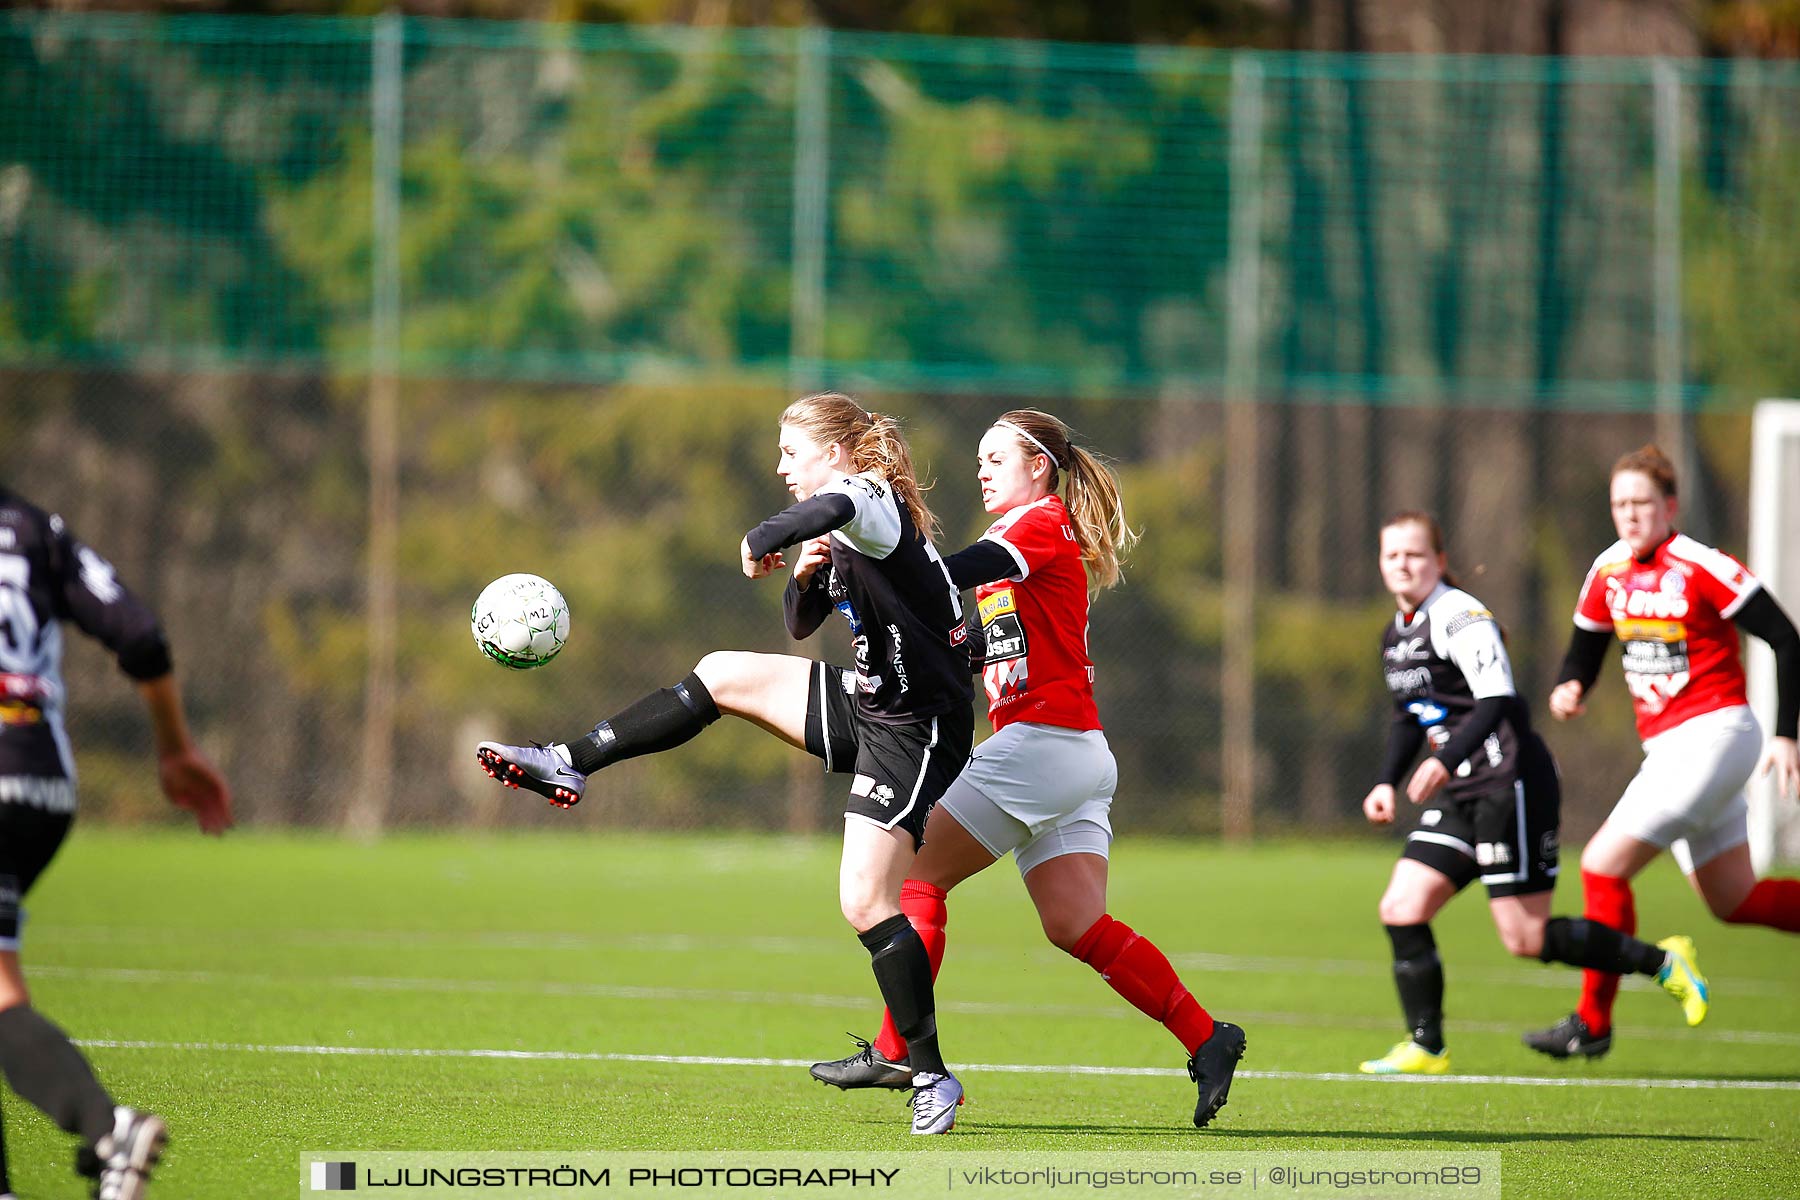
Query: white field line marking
{"type": "Point", "coordinates": [1547, 977]}
{"type": "Point", "coordinates": [697, 1060]}
{"type": "Point", "coordinates": [863, 1004]}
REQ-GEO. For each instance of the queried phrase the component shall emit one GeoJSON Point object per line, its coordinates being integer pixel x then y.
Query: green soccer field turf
{"type": "Point", "coordinates": [209, 979]}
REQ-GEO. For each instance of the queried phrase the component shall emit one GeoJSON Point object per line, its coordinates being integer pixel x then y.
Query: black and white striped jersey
{"type": "Point", "coordinates": [1440, 662]}
{"type": "Point", "coordinates": [905, 616]}
{"type": "Point", "coordinates": [47, 577]}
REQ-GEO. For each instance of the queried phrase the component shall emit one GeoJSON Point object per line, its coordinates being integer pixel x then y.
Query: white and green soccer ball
{"type": "Point", "coordinates": [520, 621]}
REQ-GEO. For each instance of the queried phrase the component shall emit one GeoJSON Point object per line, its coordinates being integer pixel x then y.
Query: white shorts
{"type": "Point", "coordinates": [1688, 797]}
{"type": "Point", "coordinates": [1037, 791]}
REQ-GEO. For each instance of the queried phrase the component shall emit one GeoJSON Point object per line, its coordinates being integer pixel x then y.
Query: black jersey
{"type": "Point", "coordinates": [906, 617]}
{"type": "Point", "coordinates": [47, 577]}
{"type": "Point", "coordinates": [1440, 662]}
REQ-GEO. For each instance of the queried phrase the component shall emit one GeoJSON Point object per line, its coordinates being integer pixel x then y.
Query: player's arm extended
{"type": "Point", "coordinates": [1763, 616]}
{"type": "Point", "coordinates": [811, 518]}
{"type": "Point", "coordinates": [984, 562]}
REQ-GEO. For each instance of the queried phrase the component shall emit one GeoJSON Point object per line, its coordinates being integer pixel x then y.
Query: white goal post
{"type": "Point", "coordinates": [1775, 559]}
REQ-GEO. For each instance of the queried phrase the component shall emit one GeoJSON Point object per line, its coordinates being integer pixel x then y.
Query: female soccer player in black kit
{"type": "Point", "coordinates": [46, 578]}
{"type": "Point", "coordinates": [1492, 800]}
{"type": "Point", "coordinates": [901, 720]}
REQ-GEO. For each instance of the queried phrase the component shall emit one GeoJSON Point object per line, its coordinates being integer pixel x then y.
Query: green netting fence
{"type": "Point", "coordinates": [316, 325]}
{"type": "Point", "coordinates": [610, 203]}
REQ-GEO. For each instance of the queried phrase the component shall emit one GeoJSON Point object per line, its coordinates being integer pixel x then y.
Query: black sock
{"type": "Point", "coordinates": [903, 973]}
{"type": "Point", "coordinates": [1585, 942]}
{"type": "Point", "coordinates": [45, 1068]}
{"type": "Point", "coordinates": [662, 720]}
{"type": "Point", "coordinates": [1419, 974]}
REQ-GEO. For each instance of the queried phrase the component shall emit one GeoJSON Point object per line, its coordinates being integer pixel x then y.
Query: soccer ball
{"type": "Point", "coordinates": [520, 621]}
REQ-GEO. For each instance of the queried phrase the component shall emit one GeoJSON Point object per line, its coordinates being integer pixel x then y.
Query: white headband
{"type": "Point", "coordinates": [1022, 432]}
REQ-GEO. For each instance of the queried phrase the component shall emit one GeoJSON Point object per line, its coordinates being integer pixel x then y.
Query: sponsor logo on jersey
{"type": "Point", "coordinates": [897, 660]}
{"type": "Point", "coordinates": [1639, 629]}
{"type": "Point", "coordinates": [1493, 854]}
{"type": "Point", "coordinates": [1623, 602]}
{"type": "Point", "coordinates": [1005, 639]}
{"type": "Point", "coordinates": [18, 712]}
{"type": "Point", "coordinates": [1006, 681]}
{"type": "Point", "coordinates": [97, 575]}
{"type": "Point", "coordinates": [1429, 712]}
{"type": "Point", "coordinates": [1407, 650]}
{"type": "Point", "coordinates": [51, 795]}
{"type": "Point", "coordinates": [1474, 616]}
{"type": "Point", "coordinates": [1415, 679]}
{"type": "Point", "coordinates": [997, 604]}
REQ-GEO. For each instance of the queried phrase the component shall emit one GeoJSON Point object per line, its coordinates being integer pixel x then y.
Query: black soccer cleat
{"type": "Point", "coordinates": [1211, 1068]}
{"type": "Point", "coordinates": [536, 769]}
{"type": "Point", "coordinates": [865, 1069]}
{"type": "Point", "coordinates": [1568, 1038]}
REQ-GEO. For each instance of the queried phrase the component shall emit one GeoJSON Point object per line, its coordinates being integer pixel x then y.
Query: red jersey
{"type": "Point", "coordinates": [1036, 622]}
{"type": "Point", "coordinates": [1673, 613]}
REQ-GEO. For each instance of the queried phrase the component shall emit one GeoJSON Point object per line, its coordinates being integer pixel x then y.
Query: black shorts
{"type": "Point", "coordinates": [901, 770]}
{"type": "Point", "coordinates": [29, 839]}
{"type": "Point", "coordinates": [1507, 839]}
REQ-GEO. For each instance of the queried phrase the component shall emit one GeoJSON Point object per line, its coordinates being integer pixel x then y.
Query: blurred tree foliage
{"type": "Point", "coordinates": [624, 204]}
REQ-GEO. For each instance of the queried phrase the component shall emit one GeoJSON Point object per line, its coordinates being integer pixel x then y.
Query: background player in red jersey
{"type": "Point", "coordinates": [1677, 606]}
{"type": "Point", "coordinates": [899, 721]}
{"type": "Point", "coordinates": [48, 579]}
{"type": "Point", "coordinates": [1492, 799]}
{"type": "Point", "coordinates": [1042, 786]}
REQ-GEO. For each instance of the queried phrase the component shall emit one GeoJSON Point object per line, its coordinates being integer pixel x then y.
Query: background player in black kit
{"type": "Point", "coordinates": [1493, 800]}
{"type": "Point", "coordinates": [901, 720]}
{"type": "Point", "coordinates": [47, 577]}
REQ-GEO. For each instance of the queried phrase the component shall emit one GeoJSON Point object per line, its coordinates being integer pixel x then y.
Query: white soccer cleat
{"type": "Point", "coordinates": [128, 1153]}
{"type": "Point", "coordinates": [934, 1102]}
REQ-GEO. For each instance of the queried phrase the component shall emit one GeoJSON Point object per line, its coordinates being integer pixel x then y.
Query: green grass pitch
{"type": "Point", "coordinates": [208, 980]}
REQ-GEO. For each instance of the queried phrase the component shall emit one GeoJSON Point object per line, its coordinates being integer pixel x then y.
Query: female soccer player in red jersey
{"type": "Point", "coordinates": [1674, 603]}
{"type": "Point", "coordinates": [901, 720]}
{"type": "Point", "coordinates": [1042, 785]}
{"type": "Point", "coordinates": [1491, 795]}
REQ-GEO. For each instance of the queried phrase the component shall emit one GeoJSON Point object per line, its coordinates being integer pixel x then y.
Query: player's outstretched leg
{"type": "Point", "coordinates": [1590, 944]}
{"type": "Point", "coordinates": [867, 1068]}
{"type": "Point", "coordinates": [1569, 1038]}
{"type": "Point", "coordinates": [1212, 1067]}
{"type": "Point", "coordinates": [663, 720]}
{"type": "Point", "coordinates": [1680, 977]}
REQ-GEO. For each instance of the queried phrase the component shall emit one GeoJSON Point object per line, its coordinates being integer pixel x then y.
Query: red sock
{"type": "Point", "coordinates": [1772, 902]}
{"type": "Point", "coordinates": [1141, 973]}
{"type": "Point", "coordinates": [924, 906]}
{"type": "Point", "coordinates": [1608, 901]}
